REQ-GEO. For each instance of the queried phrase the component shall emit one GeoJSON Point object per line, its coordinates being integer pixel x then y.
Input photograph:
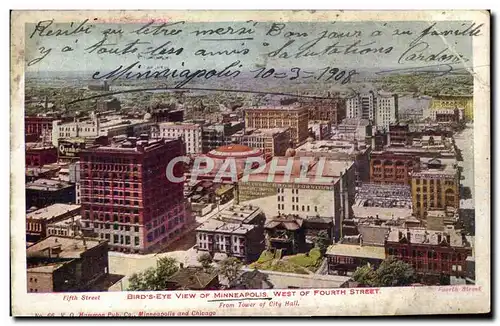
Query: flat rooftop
{"type": "Point", "coordinates": [127, 146]}
{"type": "Point", "coordinates": [321, 174]}
{"type": "Point", "coordinates": [353, 250]}
{"type": "Point", "coordinates": [252, 132]}
{"type": "Point", "coordinates": [431, 237]}
{"type": "Point", "coordinates": [66, 222]}
{"type": "Point", "coordinates": [240, 212]}
{"type": "Point", "coordinates": [51, 211]}
{"type": "Point", "coordinates": [292, 107]}
{"type": "Point", "coordinates": [47, 184]}
{"type": "Point", "coordinates": [179, 125]}
{"type": "Point", "coordinates": [214, 225]}
{"type": "Point", "coordinates": [69, 247]}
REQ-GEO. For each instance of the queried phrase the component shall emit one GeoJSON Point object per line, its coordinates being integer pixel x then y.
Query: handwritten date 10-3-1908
{"type": "Point", "coordinates": [331, 74]}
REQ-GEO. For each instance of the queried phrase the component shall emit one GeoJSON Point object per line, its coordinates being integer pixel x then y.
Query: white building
{"type": "Point", "coordinates": [96, 126]}
{"type": "Point", "coordinates": [362, 106]}
{"type": "Point", "coordinates": [318, 189]}
{"type": "Point", "coordinates": [386, 110]}
{"type": "Point", "coordinates": [191, 133]}
{"type": "Point", "coordinates": [379, 107]}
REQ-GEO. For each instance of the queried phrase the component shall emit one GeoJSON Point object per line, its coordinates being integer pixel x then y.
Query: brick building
{"type": "Point", "coordinates": [389, 167]}
{"type": "Point", "coordinates": [272, 142]}
{"type": "Point", "coordinates": [37, 127]}
{"type": "Point", "coordinates": [431, 253]}
{"type": "Point", "coordinates": [294, 117]}
{"type": "Point", "coordinates": [435, 186]}
{"type": "Point", "coordinates": [126, 197]}
{"type": "Point", "coordinates": [66, 264]}
{"type": "Point", "coordinates": [332, 110]}
{"type": "Point", "coordinates": [38, 154]}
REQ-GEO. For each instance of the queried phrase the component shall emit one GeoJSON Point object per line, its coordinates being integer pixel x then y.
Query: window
{"type": "Point", "coordinates": [136, 241]}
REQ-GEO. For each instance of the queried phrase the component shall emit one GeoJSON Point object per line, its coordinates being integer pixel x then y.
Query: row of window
{"type": "Point", "coordinates": [113, 175]}
{"type": "Point", "coordinates": [422, 254]}
{"type": "Point", "coordinates": [114, 184]}
{"type": "Point", "coordinates": [107, 226]}
{"type": "Point", "coordinates": [120, 239]}
{"type": "Point", "coordinates": [109, 160]}
{"type": "Point", "coordinates": [37, 227]}
{"type": "Point", "coordinates": [98, 200]}
{"type": "Point", "coordinates": [222, 248]}
{"type": "Point", "coordinates": [111, 167]}
{"type": "Point", "coordinates": [57, 232]}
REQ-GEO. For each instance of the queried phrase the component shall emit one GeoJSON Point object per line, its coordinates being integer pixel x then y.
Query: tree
{"type": "Point", "coordinates": [322, 241]}
{"type": "Point", "coordinates": [365, 275]}
{"type": "Point", "coordinates": [205, 260]}
{"type": "Point", "coordinates": [230, 269]}
{"type": "Point", "coordinates": [391, 272]}
{"type": "Point", "coordinates": [154, 278]}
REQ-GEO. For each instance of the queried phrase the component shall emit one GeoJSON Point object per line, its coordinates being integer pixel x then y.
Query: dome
{"type": "Point", "coordinates": [234, 150]}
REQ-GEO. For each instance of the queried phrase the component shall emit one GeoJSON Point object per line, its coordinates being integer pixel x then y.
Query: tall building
{"type": "Point", "coordinates": [190, 133]}
{"type": "Point", "coordinates": [126, 197]}
{"type": "Point", "coordinates": [378, 107]}
{"type": "Point", "coordinates": [362, 106]}
{"type": "Point", "coordinates": [332, 110]}
{"type": "Point", "coordinates": [294, 116]}
{"type": "Point", "coordinates": [386, 111]}
{"type": "Point", "coordinates": [435, 185]}
{"type": "Point", "coordinates": [272, 142]}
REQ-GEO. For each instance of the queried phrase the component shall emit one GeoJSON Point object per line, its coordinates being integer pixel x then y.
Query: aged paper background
{"type": "Point", "coordinates": [390, 301]}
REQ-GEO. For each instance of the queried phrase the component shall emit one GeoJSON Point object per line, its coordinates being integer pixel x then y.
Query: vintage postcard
{"type": "Point", "coordinates": [250, 163]}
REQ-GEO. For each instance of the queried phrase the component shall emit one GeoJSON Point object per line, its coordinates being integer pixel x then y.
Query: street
{"type": "Point", "coordinates": [128, 264]}
{"type": "Point", "coordinates": [464, 141]}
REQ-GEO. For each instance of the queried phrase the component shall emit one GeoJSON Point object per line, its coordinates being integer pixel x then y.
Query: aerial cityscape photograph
{"type": "Point", "coordinates": [134, 186]}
